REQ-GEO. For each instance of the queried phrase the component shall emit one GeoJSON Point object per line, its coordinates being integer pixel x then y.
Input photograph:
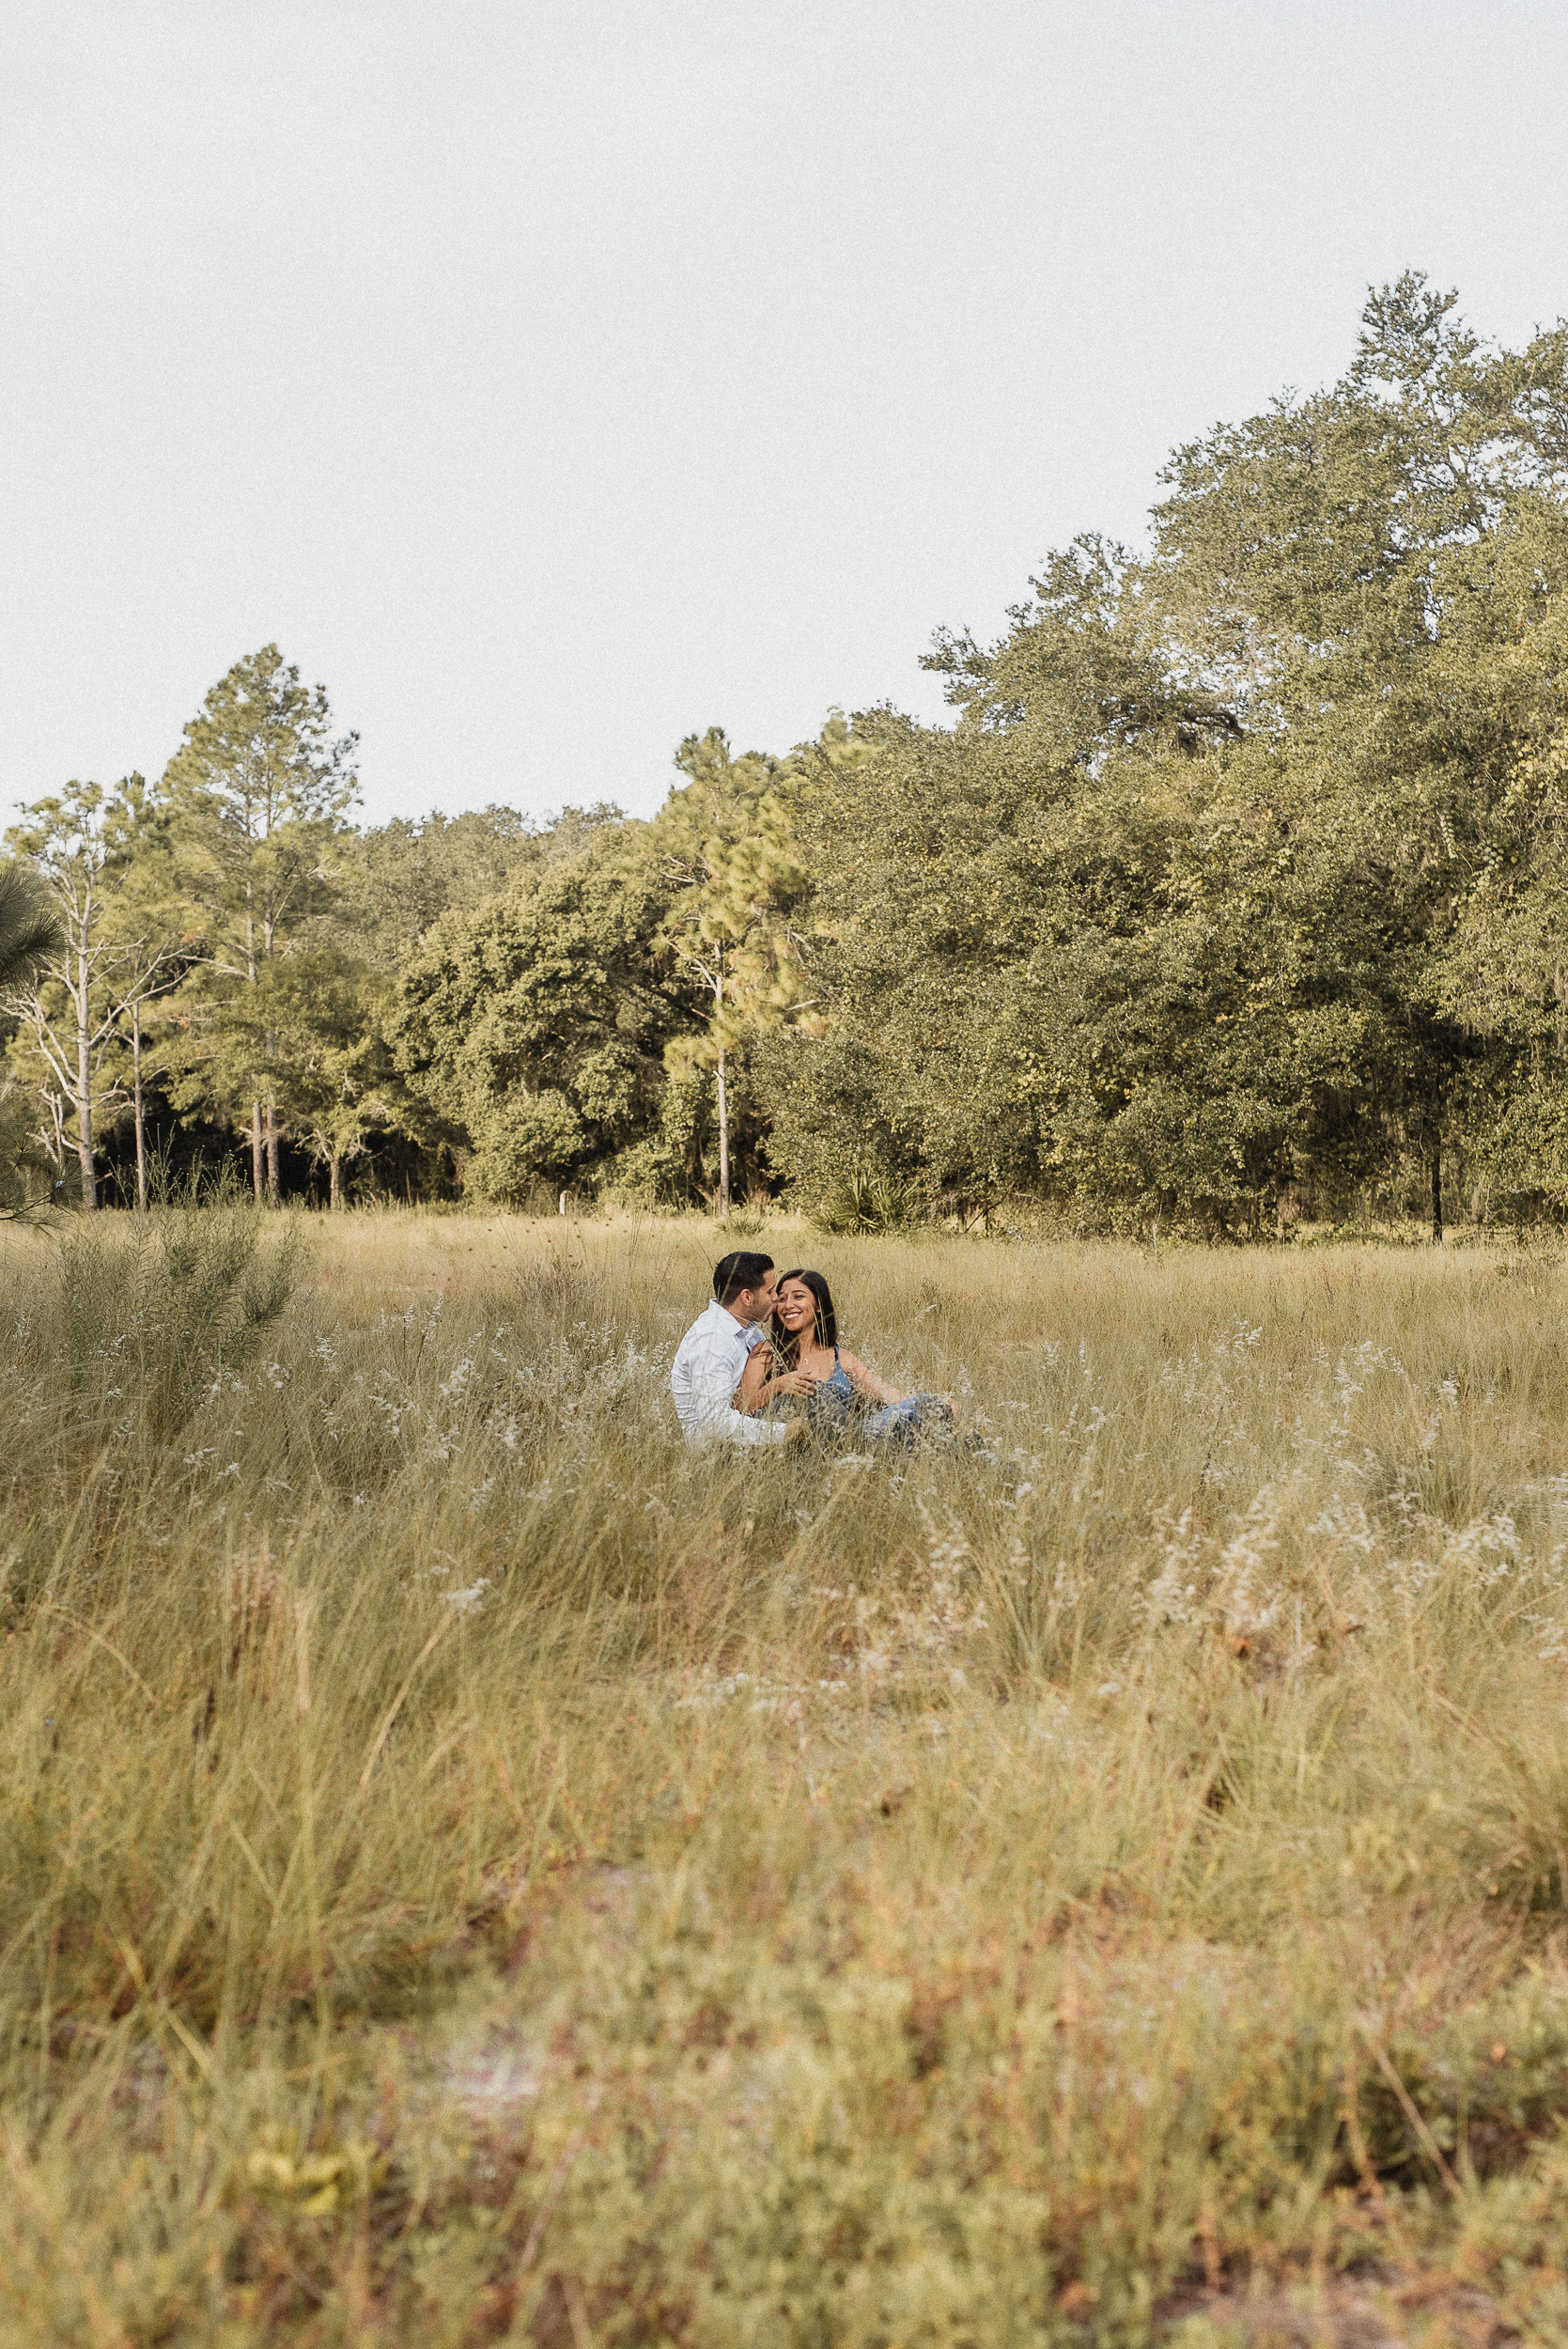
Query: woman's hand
{"type": "Point", "coordinates": [753, 1392]}
{"type": "Point", "coordinates": [795, 1382]}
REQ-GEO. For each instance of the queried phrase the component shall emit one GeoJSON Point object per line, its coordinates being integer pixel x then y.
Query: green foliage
{"type": "Point", "coordinates": [394, 882]}
{"type": "Point", "coordinates": [256, 798]}
{"type": "Point", "coordinates": [311, 1034]}
{"type": "Point", "coordinates": [1236, 880]}
{"type": "Point", "coordinates": [109, 946]}
{"type": "Point", "coordinates": [869, 1202]}
{"type": "Point", "coordinates": [540, 1020]}
{"type": "Point", "coordinates": [725, 845]}
{"type": "Point", "coordinates": [1232, 897]}
{"type": "Point", "coordinates": [259, 794]}
{"type": "Point", "coordinates": [30, 934]}
{"type": "Point", "coordinates": [29, 928]}
{"type": "Point", "coordinates": [927, 892]}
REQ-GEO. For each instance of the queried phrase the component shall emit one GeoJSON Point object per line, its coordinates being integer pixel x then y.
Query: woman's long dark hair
{"type": "Point", "coordinates": [786, 1343]}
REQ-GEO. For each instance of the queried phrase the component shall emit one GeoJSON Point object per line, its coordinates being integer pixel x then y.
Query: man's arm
{"type": "Point", "coordinates": [703, 1387]}
{"type": "Point", "coordinates": [740, 1429]}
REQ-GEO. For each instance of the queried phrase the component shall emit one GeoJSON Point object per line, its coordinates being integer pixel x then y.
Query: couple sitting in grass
{"type": "Point", "coordinates": [763, 1365]}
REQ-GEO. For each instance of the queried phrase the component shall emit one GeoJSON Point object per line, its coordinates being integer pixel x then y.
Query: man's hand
{"type": "Point", "coordinates": [797, 1432]}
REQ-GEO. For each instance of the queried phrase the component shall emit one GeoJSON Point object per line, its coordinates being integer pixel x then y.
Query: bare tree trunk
{"type": "Point", "coordinates": [256, 1106]}
{"type": "Point", "coordinates": [275, 1182]}
{"type": "Point", "coordinates": [137, 1095]}
{"type": "Point", "coordinates": [335, 1195]}
{"type": "Point", "coordinates": [56, 1148]}
{"type": "Point", "coordinates": [85, 1092]}
{"type": "Point", "coordinates": [723, 1095]}
{"type": "Point", "coordinates": [1438, 1194]}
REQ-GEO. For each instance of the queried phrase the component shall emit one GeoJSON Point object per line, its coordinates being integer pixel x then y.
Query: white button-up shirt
{"type": "Point", "coordinates": [705, 1376]}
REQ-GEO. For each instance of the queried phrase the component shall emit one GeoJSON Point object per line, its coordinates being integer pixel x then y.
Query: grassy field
{"type": "Point", "coordinates": [474, 1872]}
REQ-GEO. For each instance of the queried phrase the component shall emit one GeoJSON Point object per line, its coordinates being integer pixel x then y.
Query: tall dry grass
{"type": "Point", "coordinates": [474, 1870]}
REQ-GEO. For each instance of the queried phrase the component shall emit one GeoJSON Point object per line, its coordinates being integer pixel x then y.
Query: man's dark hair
{"type": "Point", "coordinates": [742, 1271]}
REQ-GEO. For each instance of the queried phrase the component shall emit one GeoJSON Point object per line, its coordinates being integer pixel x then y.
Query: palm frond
{"type": "Point", "coordinates": [28, 927]}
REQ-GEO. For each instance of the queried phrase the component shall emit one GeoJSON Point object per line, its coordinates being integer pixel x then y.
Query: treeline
{"type": "Point", "coordinates": [1234, 892]}
{"type": "Point", "coordinates": [222, 966]}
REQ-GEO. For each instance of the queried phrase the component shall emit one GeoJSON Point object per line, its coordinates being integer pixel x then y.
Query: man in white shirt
{"type": "Point", "coordinates": [712, 1355]}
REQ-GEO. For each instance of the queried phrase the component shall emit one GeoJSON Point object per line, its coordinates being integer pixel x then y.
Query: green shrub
{"type": "Point", "coordinates": [870, 1203]}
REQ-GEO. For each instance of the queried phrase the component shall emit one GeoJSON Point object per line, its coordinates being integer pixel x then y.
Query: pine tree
{"type": "Point", "coordinates": [259, 792]}
{"type": "Point", "coordinates": [725, 845]}
{"type": "Point", "coordinates": [97, 968]}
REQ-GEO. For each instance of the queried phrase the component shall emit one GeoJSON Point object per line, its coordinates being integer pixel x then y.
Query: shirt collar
{"type": "Point", "coordinates": [746, 1333]}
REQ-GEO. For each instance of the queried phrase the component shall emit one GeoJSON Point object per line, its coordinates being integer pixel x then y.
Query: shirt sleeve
{"type": "Point", "coordinates": [740, 1429]}
{"type": "Point", "coordinates": [703, 1382]}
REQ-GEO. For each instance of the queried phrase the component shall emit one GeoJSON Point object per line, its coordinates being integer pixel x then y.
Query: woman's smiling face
{"type": "Point", "coordinates": [797, 1308]}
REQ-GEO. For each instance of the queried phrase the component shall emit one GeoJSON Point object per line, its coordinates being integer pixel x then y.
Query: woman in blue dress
{"type": "Point", "coordinates": [803, 1361]}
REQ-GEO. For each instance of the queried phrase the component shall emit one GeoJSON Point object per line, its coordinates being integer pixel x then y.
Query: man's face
{"type": "Point", "coordinates": [756, 1305]}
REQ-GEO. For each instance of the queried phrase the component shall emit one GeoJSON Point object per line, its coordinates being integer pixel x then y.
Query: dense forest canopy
{"type": "Point", "coordinates": [1236, 889]}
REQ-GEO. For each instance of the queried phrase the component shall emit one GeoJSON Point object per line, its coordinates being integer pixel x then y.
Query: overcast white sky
{"type": "Point", "coordinates": [551, 379]}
